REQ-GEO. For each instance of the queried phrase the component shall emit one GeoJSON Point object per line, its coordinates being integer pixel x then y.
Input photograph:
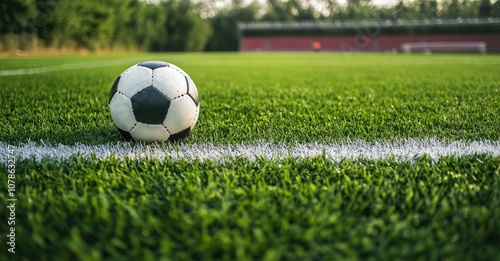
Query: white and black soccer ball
{"type": "Point", "coordinates": [154, 101]}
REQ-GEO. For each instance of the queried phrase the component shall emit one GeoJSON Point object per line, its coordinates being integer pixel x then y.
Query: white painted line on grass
{"type": "Point", "coordinates": [404, 150]}
{"type": "Point", "coordinates": [71, 66]}
{"type": "Point", "coordinates": [232, 63]}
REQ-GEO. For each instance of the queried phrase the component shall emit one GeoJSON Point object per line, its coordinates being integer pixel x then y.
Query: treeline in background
{"type": "Point", "coordinates": [34, 26]}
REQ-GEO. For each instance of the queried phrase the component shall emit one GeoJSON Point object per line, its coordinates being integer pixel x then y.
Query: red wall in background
{"type": "Point", "coordinates": [358, 43]}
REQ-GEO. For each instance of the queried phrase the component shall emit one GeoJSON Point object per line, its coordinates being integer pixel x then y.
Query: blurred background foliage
{"type": "Point", "coordinates": [190, 25]}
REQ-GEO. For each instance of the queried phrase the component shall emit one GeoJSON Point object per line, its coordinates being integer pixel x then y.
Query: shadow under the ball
{"type": "Point", "coordinates": [97, 136]}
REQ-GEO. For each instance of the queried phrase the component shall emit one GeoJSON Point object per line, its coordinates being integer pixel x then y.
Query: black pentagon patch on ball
{"type": "Point", "coordinates": [150, 106]}
{"type": "Point", "coordinates": [125, 134]}
{"type": "Point", "coordinates": [114, 88]}
{"type": "Point", "coordinates": [180, 135]}
{"type": "Point", "coordinates": [192, 92]}
{"type": "Point", "coordinates": [154, 64]}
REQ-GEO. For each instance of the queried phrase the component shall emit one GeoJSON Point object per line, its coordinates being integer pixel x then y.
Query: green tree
{"type": "Point", "coordinates": [17, 28]}
{"type": "Point", "coordinates": [186, 30]}
{"type": "Point", "coordinates": [433, 9]}
{"type": "Point", "coordinates": [17, 16]}
{"type": "Point", "coordinates": [423, 9]}
{"type": "Point", "coordinates": [400, 10]}
{"type": "Point", "coordinates": [88, 24]}
{"type": "Point", "coordinates": [495, 9]}
{"type": "Point", "coordinates": [278, 11]}
{"type": "Point", "coordinates": [334, 9]}
{"type": "Point", "coordinates": [147, 30]}
{"type": "Point", "coordinates": [122, 14]}
{"type": "Point", "coordinates": [225, 33]}
{"type": "Point", "coordinates": [451, 9]}
{"type": "Point", "coordinates": [469, 9]}
{"type": "Point", "coordinates": [303, 10]}
{"type": "Point", "coordinates": [485, 8]}
{"type": "Point", "coordinates": [359, 9]}
{"type": "Point", "coordinates": [46, 22]}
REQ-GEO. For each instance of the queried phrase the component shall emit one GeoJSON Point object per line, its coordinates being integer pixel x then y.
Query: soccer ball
{"type": "Point", "coordinates": [154, 101]}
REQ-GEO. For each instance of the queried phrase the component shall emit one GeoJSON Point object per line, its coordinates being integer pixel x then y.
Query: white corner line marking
{"type": "Point", "coordinates": [404, 150]}
{"type": "Point", "coordinates": [71, 66]}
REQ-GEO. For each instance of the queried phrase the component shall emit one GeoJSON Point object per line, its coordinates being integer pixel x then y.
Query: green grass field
{"type": "Point", "coordinates": [308, 208]}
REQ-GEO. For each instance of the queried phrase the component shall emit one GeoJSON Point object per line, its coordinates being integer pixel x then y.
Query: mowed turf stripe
{"type": "Point", "coordinates": [71, 66]}
{"type": "Point", "coordinates": [404, 150]}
